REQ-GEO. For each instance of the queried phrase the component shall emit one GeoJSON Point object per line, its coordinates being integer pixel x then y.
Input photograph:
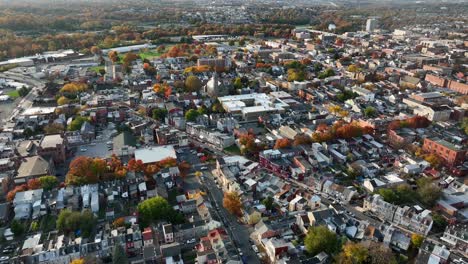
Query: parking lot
{"type": "Point", "coordinates": [98, 147]}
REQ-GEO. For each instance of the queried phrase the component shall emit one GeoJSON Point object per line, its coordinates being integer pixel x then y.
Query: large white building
{"type": "Point", "coordinates": [371, 24]}
{"type": "Point", "coordinates": [251, 106]}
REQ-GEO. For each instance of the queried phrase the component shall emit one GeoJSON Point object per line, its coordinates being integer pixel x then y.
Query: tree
{"type": "Point", "coordinates": [428, 193]}
{"type": "Point", "coordinates": [184, 168]}
{"type": "Point", "coordinates": [48, 182]}
{"type": "Point", "coordinates": [191, 115]}
{"type": "Point", "coordinates": [23, 91]}
{"type": "Point", "coordinates": [268, 203]}
{"type": "Point", "coordinates": [135, 165]}
{"type": "Point", "coordinates": [77, 123]}
{"type": "Point", "coordinates": [237, 83]}
{"type": "Point", "coordinates": [370, 111]}
{"type": "Point", "coordinates": [159, 114]}
{"type": "Point", "coordinates": [192, 84]}
{"type": "Point", "coordinates": [63, 100]}
{"type": "Point", "coordinates": [464, 125]}
{"type": "Point", "coordinates": [118, 222]}
{"type": "Point", "coordinates": [78, 261]}
{"type": "Point", "coordinates": [282, 143]}
{"type": "Point", "coordinates": [118, 255]}
{"type": "Point", "coordinates": [54, 128]}
{"type": "Point", "coordinates": [417, 240]}
{"type": "Point", "coordinates": [113, 56]}
{"type": "Point", "coordinates": [353, 253]}
{"type": "Point", "coordinates": [327, 73]}
{"type": "Point", "coordinates": [155, 209]}
{"type": "Point", "coordinates": [11, 194]}
{"type": "Point", "coordinates": [167, 163]}
{"type": "Point", "coordinates": [85, 170]}
{"type": "Point", "coordinates": [296, 75]}
{"type": "Point", "coordinates": [381, 254]}
{"type": "Point", "coordinates": [439, 224]}
{"type": "Point", "coordinates": [319, 239]}
{"type": "Point", "coordinates": [34, 226]}
{"type": "Point", "coordinates": [34, 184]}
{"type": "Point", "coordinates": [17, 228]}
{"type": "Point", "coordinates": [198, 174]}
{"type": "Point", "coordinates": [352, 68]}
{"type": "Point", "coordinates": [95, 50]}
{"type": "Point", "coordinates": [232, 202]}
{"type": "Point", "coordinates": [302, 139]}
{"type": "Point", "coordinates": [70, 221]}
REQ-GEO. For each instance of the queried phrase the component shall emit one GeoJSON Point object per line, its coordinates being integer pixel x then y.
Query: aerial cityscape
{"type": "Point", "coordinates": [233, 131]}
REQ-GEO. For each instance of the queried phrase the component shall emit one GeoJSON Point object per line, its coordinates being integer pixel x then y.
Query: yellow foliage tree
{"type": "Point", "coordinates": [232, 203]}
{"type": "Point", "coordinates": [63, 100]}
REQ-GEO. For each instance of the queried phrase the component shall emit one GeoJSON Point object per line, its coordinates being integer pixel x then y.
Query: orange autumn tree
{"type": "Point", "coordinates": [34, 184]}
{"type": "Point", "coordinates": [302, 139]}
{"type": "Point", "coordinates": [167, 163]}
{"type": "Point", "coordinates": [85, 170]}
{"type": "Point", "coordinates": [184, 168]}
{"type": "Point", "coordinates": [135, 165]}
{"type": "Point", "coordinates": [233, 203]}
{"type": "Point", "coordinates": [282, 143]}
{"type": "Point", "coordinates": [11, 194]}
{"type": "Point", "coordinates": [151, 169]}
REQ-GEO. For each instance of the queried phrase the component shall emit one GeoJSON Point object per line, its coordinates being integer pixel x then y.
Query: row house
{"type": "Point", "coordinates": [407, 217]}
{"type": "Point", "coordinates": [216, 138]}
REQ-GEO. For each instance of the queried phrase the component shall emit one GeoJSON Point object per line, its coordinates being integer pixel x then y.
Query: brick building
{"type": "Point", "coordinates": [452, 154]}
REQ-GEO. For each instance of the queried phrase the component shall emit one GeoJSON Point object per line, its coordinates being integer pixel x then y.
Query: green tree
{"type": "Point", "coordinates": [237, 83]}
{"type": "Point", "coordinates": [23, 91]}
{"type": "Point", "coordinates": [118, 255]}
{"type": "Point", "coordinates": [439, 224]}
{"type": "Point", "coordinates": [17, 228]}
{"type": "Point", "coordinates": [268, 202]}
{"type": "Point", "coordinates": [428, 193]}
{"type": "Point", "coordinates": [319, 239]}
{"type": "Point", "coordinates": [154, 209]}
{"type": "Point", "coordinates": [464, 125]}
{"type": "Point", "coordinates": [192, 84]}
{"type": "Point", "coordinates": [191, 115]}
{"type": "Point", "coordinates": [69, 221]}
{"type": "Point", "coordinates": [34, 226]}
{"type": "Point", "coordinates": [48, 182]}
{"type": "Point", "coordinates": [77, 123]}
{"type": "Point", "coordinates": [370, 111]}
{"type": "Point", "coordinates": [159, 114]}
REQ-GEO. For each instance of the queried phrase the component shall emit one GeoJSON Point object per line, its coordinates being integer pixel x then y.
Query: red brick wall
{"type": "Point", "coordinates": [458, 87]}
{"type": "Point", "coordinates": [436, 80]}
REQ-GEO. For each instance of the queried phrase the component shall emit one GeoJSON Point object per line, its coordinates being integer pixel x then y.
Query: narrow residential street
{"type": "Point", "coordinates": [238, 232]}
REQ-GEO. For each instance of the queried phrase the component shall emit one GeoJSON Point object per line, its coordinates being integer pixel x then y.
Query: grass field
{"type": "Point", "coordinates": [13, 94]}
{"type": "Point", "coordinates": [233, 150]}
{"type": "Point", "coordinates": [96, 69]}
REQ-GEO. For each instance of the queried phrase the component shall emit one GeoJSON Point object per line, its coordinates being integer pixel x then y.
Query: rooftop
{"type": "Point", "coordinates": [155, 154]}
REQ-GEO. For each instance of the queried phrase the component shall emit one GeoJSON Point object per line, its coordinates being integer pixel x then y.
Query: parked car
{"type": "Point", "coordinates": [255, 249]}
{"type": "Point", "coordinates": [190, 241]}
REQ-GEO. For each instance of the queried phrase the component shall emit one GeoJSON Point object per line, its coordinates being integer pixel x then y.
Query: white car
{"type": "Point", "coordinates": [255, 249]}
{"type": "Point", "coordinates": [83, 149]}
{"type": "Point", "coordinates": [191, 241]}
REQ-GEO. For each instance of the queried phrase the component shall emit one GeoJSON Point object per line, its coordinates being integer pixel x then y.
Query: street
{"type": "Point", "coordinates": [239, 233]}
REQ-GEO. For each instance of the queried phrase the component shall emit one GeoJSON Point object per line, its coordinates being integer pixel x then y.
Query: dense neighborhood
{"type": "Point", "coordinates": [311, 146]}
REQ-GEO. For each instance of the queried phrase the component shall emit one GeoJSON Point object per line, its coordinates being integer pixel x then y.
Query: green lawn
{"type": "Point", "coordinates": [234, 149]}
{"type": "Point", "coordinates": [13, 94]}
{"type": "Point", "coordinates": [150, 54]}
{"type": "Point", "coordinates": [96, 69]}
